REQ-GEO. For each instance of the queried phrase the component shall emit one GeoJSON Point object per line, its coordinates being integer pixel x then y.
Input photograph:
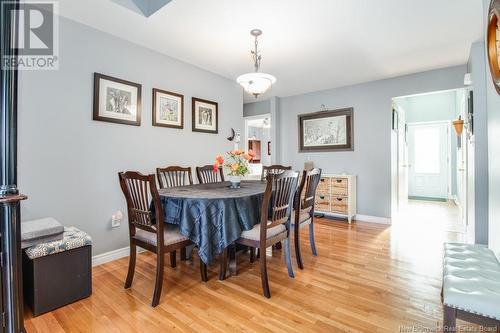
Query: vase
{"type": "Point", "coordinates": [235, 181]}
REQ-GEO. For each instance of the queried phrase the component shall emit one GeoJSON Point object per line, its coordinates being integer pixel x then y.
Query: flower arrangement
{"type": "Point", "coordinates": [236, 162]}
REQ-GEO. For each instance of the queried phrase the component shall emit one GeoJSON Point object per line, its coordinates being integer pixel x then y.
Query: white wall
{"type": "Point", "coordinates": [493, 105]}
{"type": "Point", "coordinates": [68, 163]}
{"type": "Point", "coordinates": [371, 158]}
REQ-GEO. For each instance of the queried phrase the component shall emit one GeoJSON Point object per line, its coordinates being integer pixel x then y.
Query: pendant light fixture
{"type": "Point", "coordinates": [256, 83]}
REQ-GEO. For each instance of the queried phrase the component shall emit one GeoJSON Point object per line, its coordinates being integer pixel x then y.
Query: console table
{"type": "Point", "coordinates": [336, 196]}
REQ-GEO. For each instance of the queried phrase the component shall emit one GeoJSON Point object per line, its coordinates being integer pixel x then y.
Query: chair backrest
{"type": "Point", "coordinates": [274, 169]}
{"type": "Point", "coordinates": [138, 190]}
{"type": "Point", "coordinates": [307, 189]}
{"type": "Point", "coordinates": [174, 176]}
{"type": "Point", "coordinates": [206, 174]}
{"type": "Point", "coordinates": [278, 200]}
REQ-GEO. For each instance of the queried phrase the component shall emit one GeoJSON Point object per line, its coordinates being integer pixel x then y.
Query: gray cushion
{"type": "Point", "coordinates": [304, 217]}
{"type": "Point", "coordinates": [41, 240]}
{"type": "Point", "coordinates": [40, 228]}
{"type": "Point", "coordinates": [254, 233]}
{"type": "Point", "coordinates": [171, 235]}
{"type": "Point", "coordinates": [471, 279]}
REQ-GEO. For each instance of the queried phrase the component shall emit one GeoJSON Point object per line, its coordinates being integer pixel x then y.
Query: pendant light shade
{"type": "Point", "coordinates": [256, 83]}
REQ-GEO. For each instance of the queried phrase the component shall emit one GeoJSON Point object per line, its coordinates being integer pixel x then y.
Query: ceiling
{"type": "Point", "coordinates": [308, 45]}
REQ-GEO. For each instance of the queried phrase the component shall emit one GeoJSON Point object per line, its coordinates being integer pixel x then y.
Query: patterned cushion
{"type": "Point", "coordinates": [471, 279]}
{"type": "Point", "coordinates": [304, 217]}
{"type": "Point", "coordinates": [254, 233]}
{"type": "Point", "coordinates": [171, 235]}
{"type": "Point", "coordinates": [72, 238]}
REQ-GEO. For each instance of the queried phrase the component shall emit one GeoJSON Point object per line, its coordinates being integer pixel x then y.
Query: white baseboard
{"type": "Point", "coordinates": [373, 219]}
{"type": "Point", "coordinates": [110, 256]}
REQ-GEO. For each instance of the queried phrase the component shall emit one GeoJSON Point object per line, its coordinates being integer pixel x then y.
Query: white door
{"type": "Point", "coordinates": [402, 160]}
{"type": "Point", "coordinates": [428, 155]}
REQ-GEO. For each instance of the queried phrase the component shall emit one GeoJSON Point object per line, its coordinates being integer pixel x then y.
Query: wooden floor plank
{"type": "Point", "coordinates": [366, 278]}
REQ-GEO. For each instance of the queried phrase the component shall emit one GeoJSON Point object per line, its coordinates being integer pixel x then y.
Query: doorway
{"type": "Point", "coordinates": [258, 133]}
{"type": "Point", "coordinates": [428, 165]}
{"type": "Point", "coordinates": [429, 169]}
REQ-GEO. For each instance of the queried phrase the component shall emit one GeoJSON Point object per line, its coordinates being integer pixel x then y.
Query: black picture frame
{"type": "Point", "coordinates": [157, 122]}
{"type": "Point", "coordinates": [97, 113]}
{"type": "Point", "coordinates": [349, 132]}
{"type": "Point", "coordinates": [194, 108]}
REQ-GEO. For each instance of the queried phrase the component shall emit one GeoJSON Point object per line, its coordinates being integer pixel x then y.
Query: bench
{"type": "Point", "coordinates": [471, 286]}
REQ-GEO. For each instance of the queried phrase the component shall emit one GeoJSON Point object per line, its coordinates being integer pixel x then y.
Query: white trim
{"type": "Point", "coordinates": [372, 219]}
{"type": "Point", "coordinates": [103, 258]}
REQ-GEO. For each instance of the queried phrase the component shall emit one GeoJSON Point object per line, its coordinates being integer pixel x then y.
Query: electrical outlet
{"type": "Point", "coordinates": [116, 219]}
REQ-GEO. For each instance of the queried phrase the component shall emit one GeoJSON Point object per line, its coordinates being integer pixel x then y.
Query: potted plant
{"type": "Point", "coordinates": [236, 164]}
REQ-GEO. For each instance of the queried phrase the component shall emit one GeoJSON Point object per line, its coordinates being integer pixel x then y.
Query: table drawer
{"type": "Point", "coordinates": [324, 186]}
{"type": "Point", "coordinates": [339, 204]}
{"type": "Point", "coordinates": [322, 203]}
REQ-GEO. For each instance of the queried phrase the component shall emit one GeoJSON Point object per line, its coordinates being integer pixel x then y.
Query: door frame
{"type": "Point", "coordinates": [448, 124]}
{"type": "Point", "coordinates": [273, 129]}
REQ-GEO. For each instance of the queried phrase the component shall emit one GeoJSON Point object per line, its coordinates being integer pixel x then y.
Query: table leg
{"type": "Point", "coordinates": [232, 259]}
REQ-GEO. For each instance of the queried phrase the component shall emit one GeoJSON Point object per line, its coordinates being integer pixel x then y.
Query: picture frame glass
{"type": "Point", "coordinates": [328, 131]}
{"type": "Point", "coordinates": [168, 109]}
{"type": "Point", "coordinates": [205, 116]}
{"type": "Point", "coordinates": [117, 100]}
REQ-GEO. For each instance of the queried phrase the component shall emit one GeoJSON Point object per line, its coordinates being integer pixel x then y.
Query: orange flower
{"type": "Point", "coordinates": [219, 159]}
{"type": "Point", "coordinates": [247, 157]}
{"type": "Point", "coordinates": [234, 167]}
{"type": "Point", "coordinates": [251, 153]}
{"type": "Point", "coordinates": [236, 152]}
{"type": "Point", "coordinates": [216, 166]}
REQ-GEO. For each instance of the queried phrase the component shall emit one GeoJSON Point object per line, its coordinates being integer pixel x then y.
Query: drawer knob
{"type": "Point", "coordinates": [338, 180]}
{"type": "Point", "coordinates": [339, 199]}
{"type": "Point", "coordinates": [321, 196]}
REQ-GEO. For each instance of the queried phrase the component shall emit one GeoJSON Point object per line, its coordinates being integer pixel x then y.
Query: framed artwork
{"type": "Point", "coordinates": [116, 100]}
{"type": "Point", "coordinates": [330, 130]}
{"type": "Point", "coordinates": [205, 116]}
{"type": "Point", "coordinates": [168, 109]}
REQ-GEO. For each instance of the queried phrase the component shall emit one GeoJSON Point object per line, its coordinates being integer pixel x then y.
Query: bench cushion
{"type": "Point", "coordinates": [40, 231]}
{"type": "Point", "coordinates": [471, 279]}
{"type": "Point", "coordinates": [72, 238]}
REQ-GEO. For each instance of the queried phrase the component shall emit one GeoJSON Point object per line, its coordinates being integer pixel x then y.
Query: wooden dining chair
{"type": "Point", "coordinates": [274, 223]}
{"type": "Point", "coordinates": [147, 229]}
{"type": "Point", "coordinates": [303, 213]}
{"type": "Point", "coordinates": [174, 176]}
{"type": "Point", "coordinates": [206, 174]}
{"type": "Point", "coordinates": [274, 169]}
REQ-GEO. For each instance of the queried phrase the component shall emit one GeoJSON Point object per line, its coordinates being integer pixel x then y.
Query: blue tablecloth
{"type": "Point", "coordinates": [213, 216]}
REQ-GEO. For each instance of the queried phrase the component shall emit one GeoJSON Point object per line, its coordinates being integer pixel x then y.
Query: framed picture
{"type": "Point", "coordinates": [205, 116]}
{"type": "Point", "coordinates": [330, 130]}
{"type": "Point", "coordinates": [168, 109]}
{"type": "Point", "coordinates": [116, 100]}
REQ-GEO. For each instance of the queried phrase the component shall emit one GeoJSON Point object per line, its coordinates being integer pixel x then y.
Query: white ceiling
{"type": "Point", "coordinates": [308, 45]}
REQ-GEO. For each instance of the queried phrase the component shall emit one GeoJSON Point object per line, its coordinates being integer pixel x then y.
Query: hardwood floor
{"type": "Point", "coordinates": [366, 278]}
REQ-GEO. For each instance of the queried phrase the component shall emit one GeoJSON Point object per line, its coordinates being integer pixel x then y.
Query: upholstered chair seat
{"type": "Point", "coordinates": [171, 235]}
{"type": "Point", "coordinates": [254, 233]}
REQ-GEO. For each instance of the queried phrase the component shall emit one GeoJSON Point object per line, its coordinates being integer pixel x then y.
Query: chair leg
{"type": "Point", "coordinates": [131, 266]}
{"type": "Point", "coordinates": [223, 264]}
{"type": "Point", "coordinates": [288, 258]}
{"type": "Point", "coordinates": [183, 254]}
{"type": "Point", "coordinates": [173, 259]}
{"type": "Point", "coordinates": [311, 239]}
{"type": "Point", "coordinates": [252, 255]}
{"type": "Point", "coordinates": [263, 275]}
{"type": "Point", "coordinates": [203, 271]}
{"type": "Point", "coordinates": [258, 253]}
{"type": "Point", "coordinates": [159, 278]}
{"type": "Point", "coordinates": [449, 319]}
{"type": "Point", "coordinates": [296, 241]}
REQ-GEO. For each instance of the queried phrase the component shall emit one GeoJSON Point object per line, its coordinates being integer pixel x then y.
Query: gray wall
{"type": "Point", "coordinates": [68, 163]}
{"type": "Point", "coordinates": [493, 105]}
{"type": "Point", "coordinates": [479, 206]}
{"type": "Point", "coordinates": [371, 158]}
{"type": "Point", "coordinates": [257, 108]}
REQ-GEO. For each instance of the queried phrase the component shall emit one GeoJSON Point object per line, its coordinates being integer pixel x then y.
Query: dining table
{"type": "Point", "coordinates": [213, 215]}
